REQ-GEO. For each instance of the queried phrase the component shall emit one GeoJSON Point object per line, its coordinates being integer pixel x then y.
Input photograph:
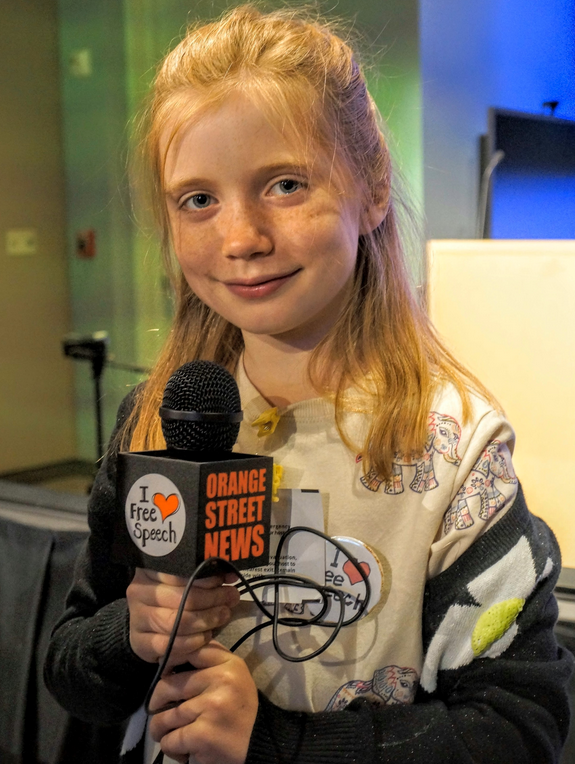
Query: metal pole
{"type": "Point", "coordinates": [99, 425]}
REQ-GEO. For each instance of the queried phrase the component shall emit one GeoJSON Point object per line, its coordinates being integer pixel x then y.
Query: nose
{"type": "Point", "coordinates": [245, 232]}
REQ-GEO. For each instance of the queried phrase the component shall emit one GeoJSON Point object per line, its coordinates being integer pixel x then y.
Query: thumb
{"type": "Point", "coordinates": [212, 654]}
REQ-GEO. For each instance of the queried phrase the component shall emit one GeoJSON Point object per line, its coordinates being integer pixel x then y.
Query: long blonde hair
{"type": "Point", "coordinates": [306, 79]}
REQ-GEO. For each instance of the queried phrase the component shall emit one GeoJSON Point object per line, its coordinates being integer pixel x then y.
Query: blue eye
{"type": "Point", "coordinates": [287, 186]}
{"type": "Point", "coordinates": [198, 201]}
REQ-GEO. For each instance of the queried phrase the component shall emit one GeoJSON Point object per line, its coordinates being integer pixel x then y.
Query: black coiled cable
{"type": "Point", "coordinates": [275, 579]}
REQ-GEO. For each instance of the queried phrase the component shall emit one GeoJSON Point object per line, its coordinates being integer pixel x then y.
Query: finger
{"type": "Point", "coordinates": [152, 647]}
{"type": "Point", "coordinates": [211, 654]}
{"type": "Point", "coordinates": [170, 596]}
{"type": "Point", "coordinates": [200, 598]}
{"type": "Point", "coordinates": [189, 684]}
{"type": "Point", "coordinates": [158, 620]}
{"type": "Point", "coordinates": [156, 576]}
{"type": "Point", "coordinates": [182, 650]}
{"type": "Point", "coordinates": [180, 759]}
{"type": "Point", "coordinates": [168, 578]}
{"type": "Point", "coordinates": [180, 744]}
{"type": "Point", "coordinates": [145, 576]}
{"type": "Point", "coordinates": [165, 720]}
{"type": "Point", "coordinates": [174, 688]}
{"type": "Point", "coordinates": [210, 582]}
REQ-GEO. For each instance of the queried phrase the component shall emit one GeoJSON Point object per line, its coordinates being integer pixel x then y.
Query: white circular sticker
{"type": "Point", "coordinates": [155, 515]}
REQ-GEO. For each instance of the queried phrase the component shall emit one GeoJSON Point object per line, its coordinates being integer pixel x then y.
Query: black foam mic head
{"type": "Point", "coordinates": [202, 390]}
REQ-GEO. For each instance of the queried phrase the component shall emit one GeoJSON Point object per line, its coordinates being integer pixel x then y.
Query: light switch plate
{"type": "Point", "coordinates": [21, 241]}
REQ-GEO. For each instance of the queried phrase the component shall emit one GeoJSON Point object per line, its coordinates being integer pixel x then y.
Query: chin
{"type": "Point", "coordinates": [267, 330]}
{"type": "Point", "coordinates": [263, 325]}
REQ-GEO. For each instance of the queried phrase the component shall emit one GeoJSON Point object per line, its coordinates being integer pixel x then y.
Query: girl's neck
{"type": "Point", "coordinates": [278, 370]}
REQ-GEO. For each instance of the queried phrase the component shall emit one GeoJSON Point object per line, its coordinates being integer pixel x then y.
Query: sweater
{"type": "Point", "coordinates": [458, 662]}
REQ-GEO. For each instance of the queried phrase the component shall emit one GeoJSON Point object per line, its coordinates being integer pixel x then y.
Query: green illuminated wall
{"type": "Point", "coordinates": [95, 114]}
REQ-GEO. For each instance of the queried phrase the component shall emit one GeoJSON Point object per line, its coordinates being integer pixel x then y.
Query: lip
{"type": "Point", "coordinates": [262, 286]}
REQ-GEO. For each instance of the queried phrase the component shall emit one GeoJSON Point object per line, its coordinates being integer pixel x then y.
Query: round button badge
{"type": "Point", "coordinates": [341, 573]}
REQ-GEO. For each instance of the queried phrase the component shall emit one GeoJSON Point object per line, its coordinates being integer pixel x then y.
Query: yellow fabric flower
{"type": "Point", "coordinates": [267, 422]}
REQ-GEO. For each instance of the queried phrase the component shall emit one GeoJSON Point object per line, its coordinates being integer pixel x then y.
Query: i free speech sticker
{"type": "Point", "coordinates": [155, 515]}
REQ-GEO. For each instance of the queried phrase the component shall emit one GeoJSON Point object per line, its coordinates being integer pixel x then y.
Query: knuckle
{"type": "Point", "coordinates": [132, 592]}
{"type": "Point", "coordinates": [175, 742]}
{"type": "Point", "coordinates": [228, 677]}
{"type": "Point", "coordinates": [156, 728]}
{"type": "Point", "coordinates": [210, 582]}
{"type": "Point", "coordinates": [158, 644]}
{"type": "Point", "coordinates": [232, 595]}
{"type": "Point", "coordinates": [224, 616]}
{"type": "Point", "coordinates": [195, 621]}
{"type": "Point", "coordinates": [195, 641]}
{"type": "Point", "coordinates": [219, 705]}
{"type": "Point", "coordinates": [220, 702]}
{"type": "Point", "coordinates": [168, 620]}
{"type": "Point", "coordinates": [161, 621]}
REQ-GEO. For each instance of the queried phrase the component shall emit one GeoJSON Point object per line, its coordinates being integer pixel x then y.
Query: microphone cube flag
{"type": "Point", "coordinates": [178, 508]}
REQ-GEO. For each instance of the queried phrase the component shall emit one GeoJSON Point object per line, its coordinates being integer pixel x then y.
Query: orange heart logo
{"type": "Point", "coordinates": [353, 573]}
{"type": "Point", "coordinates": [167, 505]}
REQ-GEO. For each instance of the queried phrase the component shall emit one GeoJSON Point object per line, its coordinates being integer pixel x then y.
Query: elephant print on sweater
{"type": "Point", "coordinates": [391, 685]}
{"type": "Point", "coordinates": [493, 466]}
{"type": "Point", "coordinates": [443, 439]}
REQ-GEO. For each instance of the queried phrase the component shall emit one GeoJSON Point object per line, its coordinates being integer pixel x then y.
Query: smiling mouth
{"type": "Point", "coordinates": [256, 282]}
{"type": "Point", "coordinates": [260, 287]}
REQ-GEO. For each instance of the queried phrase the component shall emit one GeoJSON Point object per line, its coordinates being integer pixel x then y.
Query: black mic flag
{"type": "Point", "coordinates": [195, 499]}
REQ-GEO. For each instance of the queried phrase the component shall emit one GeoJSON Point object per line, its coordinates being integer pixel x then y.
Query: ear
{"type": "Point", "coordinates": [374, 214]}
{"type": "Point", "coordinates": [372, 217]}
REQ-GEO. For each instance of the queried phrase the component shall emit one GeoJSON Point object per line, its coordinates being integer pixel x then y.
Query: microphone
{"type": "Point", "coordinates": [195, 499]}
{"type": "Point", "coordinates": [201, 408]}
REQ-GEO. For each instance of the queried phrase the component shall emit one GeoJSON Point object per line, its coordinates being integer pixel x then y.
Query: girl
{"type": "Point", "coordinates": [272, 185]}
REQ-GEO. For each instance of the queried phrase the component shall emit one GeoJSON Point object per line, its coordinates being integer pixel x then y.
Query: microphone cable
{"type": "Point", "coordinates": [274, 620]}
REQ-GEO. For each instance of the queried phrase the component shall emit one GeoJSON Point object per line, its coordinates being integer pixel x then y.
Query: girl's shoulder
{"type": "Point", "coordinates": [477, 442]}
{"type": "Point", "coordinates": [473, 417]}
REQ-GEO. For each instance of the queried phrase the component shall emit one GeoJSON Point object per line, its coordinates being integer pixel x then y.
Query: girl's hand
{"type": "Point", "coordinates": [217, 709]}
{"type": "Point", "coordinates": [153, 601]}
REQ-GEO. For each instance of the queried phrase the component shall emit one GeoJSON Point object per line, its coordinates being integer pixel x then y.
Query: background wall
{"type": "Point", "coordinates": [94, 119]}
{"type": "Point", "coordinates": [434, 67]}
{"type": "Point", "coordinates": [504, 53]}
{"type": "Point", "coordinates": [515, 329]}
{"type": "Point", "coordinates": [36, 384]}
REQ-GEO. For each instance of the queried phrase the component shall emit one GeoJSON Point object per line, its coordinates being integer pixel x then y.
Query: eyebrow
{"type": "Point", "coordinates": [277, 167]}
{"type": "Point", "coordinates": [180, 185]}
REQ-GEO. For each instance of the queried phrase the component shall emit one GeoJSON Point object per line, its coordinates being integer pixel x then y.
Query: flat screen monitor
{"type": "Point", "coordinates": [533, 186]}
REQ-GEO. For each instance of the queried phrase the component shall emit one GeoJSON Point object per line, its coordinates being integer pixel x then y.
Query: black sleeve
{"type": "Point", "coordinates": [90, 667]}
{"type": "Point", "coordinates": [511, 709]}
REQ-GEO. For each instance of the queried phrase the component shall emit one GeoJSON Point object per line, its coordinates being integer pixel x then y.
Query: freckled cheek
{"type": "Point", "coordinates": [311, 235]}
{"type": "Point", "coordinates": [193, 253]}
{"type": "Point", "coordinates": [195, 270]}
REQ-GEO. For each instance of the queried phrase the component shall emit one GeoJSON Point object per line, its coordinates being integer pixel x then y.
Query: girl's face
{"type": "Point", "coordinates": [264, 241]}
